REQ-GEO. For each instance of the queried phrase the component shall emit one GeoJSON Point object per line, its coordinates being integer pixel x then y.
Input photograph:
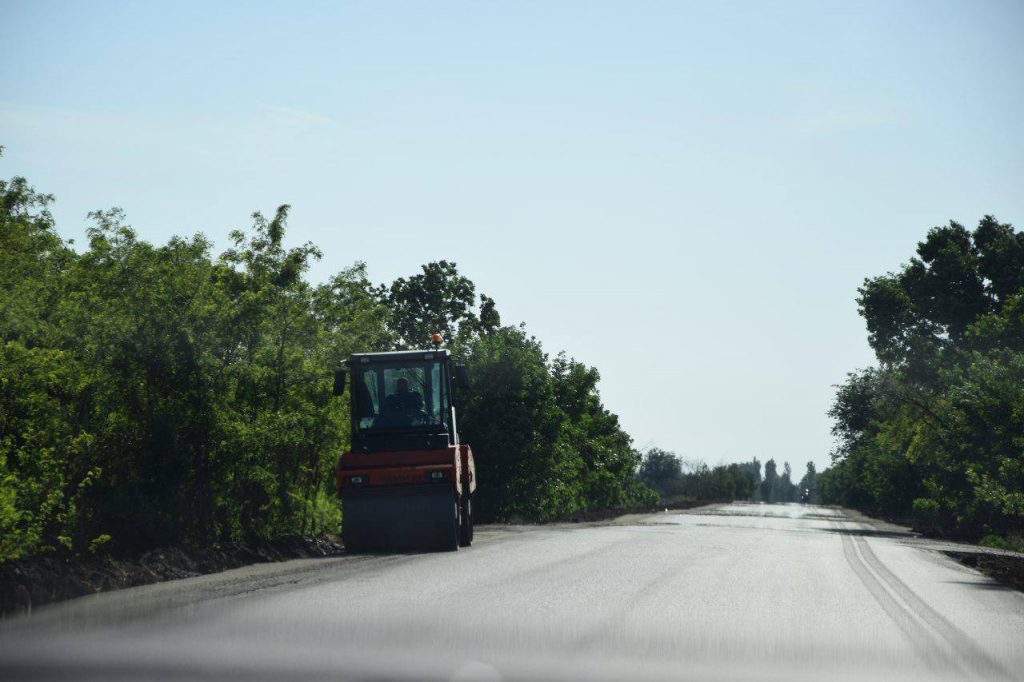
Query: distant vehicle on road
{"type": "Point", "coordinates": [407, 483]}
{"type": "Point", "coordinates": [805, 496]}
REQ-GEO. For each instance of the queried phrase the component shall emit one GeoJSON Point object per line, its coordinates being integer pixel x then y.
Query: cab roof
{"type": "Point", "coordinates": [399, 355]}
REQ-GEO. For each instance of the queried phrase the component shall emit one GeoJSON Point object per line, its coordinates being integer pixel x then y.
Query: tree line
{"type": "Point", "coordinates": [156, 395]}
{"type": "Point", "coordinates": [935, 432]}
{"type": "Point", "coordinates": [675, 479]}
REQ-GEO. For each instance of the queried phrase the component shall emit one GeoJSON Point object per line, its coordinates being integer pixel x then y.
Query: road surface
{"type": "Point", "coordinates": [733, 592]}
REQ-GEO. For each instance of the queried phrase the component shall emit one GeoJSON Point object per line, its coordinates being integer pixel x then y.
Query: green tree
{"type": "Point", "coordinates": [931, 432]}
{"type": "Point", "coordinates": [438, 300]}
{"type": "Point", "coordinates": [769, 486]}
{"type": "Point", "coordinates": [809, 482]}
{"type": "Point", "coordinates": [41, 438]}
{"type": "Point", "coordinates": [784, 490]}
{"type": "Point", "coordinates": [154, 395]}
{"type": "Point", "coordinates": [662, 471]}
{"type": "Point", "coordinates": [511, 418]}
{"type": "Point", "coordinates": [591, 432]}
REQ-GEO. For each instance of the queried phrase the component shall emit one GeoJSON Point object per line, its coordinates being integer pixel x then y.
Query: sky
{"type": "Point", "coordinates": [685, 195]}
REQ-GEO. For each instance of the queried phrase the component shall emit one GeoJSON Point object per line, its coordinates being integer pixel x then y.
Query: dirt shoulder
{"type": "Point", "coordinates": [26, 584]}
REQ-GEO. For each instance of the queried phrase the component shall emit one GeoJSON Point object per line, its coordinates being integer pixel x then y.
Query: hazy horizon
{"type": "Point", "coordinates": [685, 196]}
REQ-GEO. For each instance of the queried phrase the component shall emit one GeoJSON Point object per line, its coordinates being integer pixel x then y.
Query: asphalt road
{"type": "Point", "coordinates": [732, 592]}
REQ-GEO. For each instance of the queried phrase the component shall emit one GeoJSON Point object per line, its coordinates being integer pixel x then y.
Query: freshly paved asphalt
{"type": "Point", "coordinates": [738, 592]}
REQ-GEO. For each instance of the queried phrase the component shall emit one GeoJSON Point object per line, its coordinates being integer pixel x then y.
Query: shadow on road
{"type": "Point", "coordinates": [872, 533]}
{"type": "Point", "coordinates": [991, 586]}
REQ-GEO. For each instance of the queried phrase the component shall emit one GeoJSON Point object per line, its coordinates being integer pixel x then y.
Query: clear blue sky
{"type": "Point", "coordinates": [685, 195]}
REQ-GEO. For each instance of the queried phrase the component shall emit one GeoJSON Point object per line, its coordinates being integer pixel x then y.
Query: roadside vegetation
{"type": "Point", "coordinates": [935, 432]}
{"type": "Point", "coordinates": [158, 395]}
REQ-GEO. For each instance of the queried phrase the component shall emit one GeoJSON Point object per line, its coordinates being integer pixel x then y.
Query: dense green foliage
{"type": "Point", "coordinates": [154, 395]}
{"type": "Point", "coordinates": [936, 431]}
{"type": "Point", "coordinates": [674, 480]}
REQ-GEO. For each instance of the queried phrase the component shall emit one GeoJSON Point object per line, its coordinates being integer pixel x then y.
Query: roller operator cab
{"type": "Point", "coordinates": [407, 483]}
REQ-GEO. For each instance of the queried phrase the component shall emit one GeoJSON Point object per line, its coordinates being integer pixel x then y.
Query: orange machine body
{"type": "Point", "coordinates": [362, 472]}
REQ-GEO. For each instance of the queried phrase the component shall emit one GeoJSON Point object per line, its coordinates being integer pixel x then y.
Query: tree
{"type": "Point", "coordinates": [810, 482]}
{"type": "Point", "coordinates": [661, 471]}
{"type": "Point", "coordinates": [956, 278]}
{"type": "Point", "coordinates": [770, 483]}
{"type": "Point", "coordinates": [609, 462]}
{"type": "Point", "coordinates": [512, 419]}
{"type": "Point", "coordinates": [153, 395]}
{"type": "Point", "coordinates": [752, 469]}
{"type": "Point", "coordinates": [437, 300]}
{"type": "Point", "coordinates": [929, 433]}
{"type": "Point", "coordinates": [42, 442]}
{"type": "Point", "coordinates": [784, 490]}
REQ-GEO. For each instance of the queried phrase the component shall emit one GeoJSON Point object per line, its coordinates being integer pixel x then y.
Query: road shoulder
{"type": "Point", "coordinates": [1003, 565]}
